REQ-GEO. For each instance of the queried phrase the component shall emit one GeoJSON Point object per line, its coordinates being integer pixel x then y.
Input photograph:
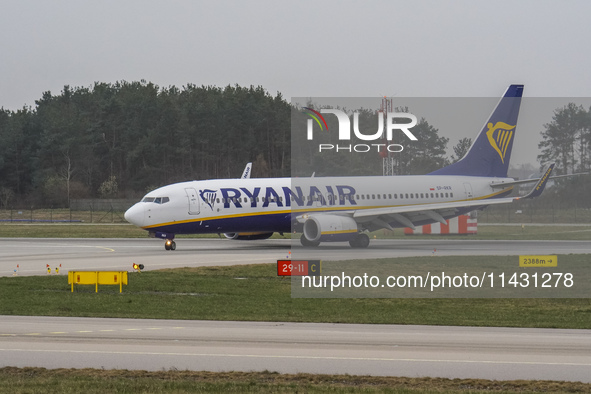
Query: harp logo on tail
{"type": "Point", "coordinates": [208, 196]}
{"type": "Point", "coordinates": [499, 137]}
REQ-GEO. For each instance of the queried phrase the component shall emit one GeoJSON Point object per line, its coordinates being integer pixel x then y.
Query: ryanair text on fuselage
{"type": "Point", "coordinates": [335, 195]}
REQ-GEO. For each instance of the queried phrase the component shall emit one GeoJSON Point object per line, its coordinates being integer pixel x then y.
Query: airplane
{"type": "Point", "coordinates": [341, 209]}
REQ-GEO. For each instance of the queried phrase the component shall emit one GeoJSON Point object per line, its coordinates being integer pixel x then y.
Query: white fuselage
{"type": "Point", "coordinates": [272, 204]}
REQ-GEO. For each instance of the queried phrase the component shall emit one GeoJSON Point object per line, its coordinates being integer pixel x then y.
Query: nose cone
{"type": "Point", "coordinates": [135, 215]}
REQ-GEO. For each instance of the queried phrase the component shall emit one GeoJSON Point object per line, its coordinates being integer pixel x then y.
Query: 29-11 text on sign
{"type": "Point", "coordinates": [299, 267]}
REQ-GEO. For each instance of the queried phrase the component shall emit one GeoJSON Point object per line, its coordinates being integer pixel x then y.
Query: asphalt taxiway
{"type": "Point", "coordinates": [382, 350]}
{"type": "Point", "coordinates": [32, 256]}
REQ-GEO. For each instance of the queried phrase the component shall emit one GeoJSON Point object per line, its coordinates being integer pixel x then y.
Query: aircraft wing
{"type": "Point", "coordinates": [409, 214]}
{"type": "Point", "coordinates": [376, 218]}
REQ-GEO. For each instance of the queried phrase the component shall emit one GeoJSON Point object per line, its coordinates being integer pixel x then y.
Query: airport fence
{"type": "Point", "coordinates": [89, 211]}
{"type": "Point", "coordinates": [63, 215]}
{"type": "Point", "coordinates": [530, 212]}
{"type": "Point", "coordinates": [80, 211]}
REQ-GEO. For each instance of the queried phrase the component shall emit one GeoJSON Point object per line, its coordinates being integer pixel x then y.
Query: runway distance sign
{"type": "Point", "coordinates": [538, 261]}
{"type": "Point", "coordinates": [299, 267]}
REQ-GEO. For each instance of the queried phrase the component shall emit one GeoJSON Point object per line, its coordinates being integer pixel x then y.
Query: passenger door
{"type": "Point", "coordinates": [193, 198]}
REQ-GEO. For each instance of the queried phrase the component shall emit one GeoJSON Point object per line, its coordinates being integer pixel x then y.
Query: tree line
{"type": "Point", "coordinates": [566, 140]}
{"type": "Point", "coordinates": [123, 139]}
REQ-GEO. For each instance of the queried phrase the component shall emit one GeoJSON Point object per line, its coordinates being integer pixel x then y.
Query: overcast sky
{"type": "Point", "coordinates": [300, 48]}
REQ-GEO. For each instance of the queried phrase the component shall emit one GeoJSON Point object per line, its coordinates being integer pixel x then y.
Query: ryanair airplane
{"type": "Point", "coordinates": [332, 209]}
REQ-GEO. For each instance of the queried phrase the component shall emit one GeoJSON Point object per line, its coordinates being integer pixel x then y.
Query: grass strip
{"type": "Point", "coordinates": [255, 293]}
{"type": "Point", "coordinates": [40, 380]}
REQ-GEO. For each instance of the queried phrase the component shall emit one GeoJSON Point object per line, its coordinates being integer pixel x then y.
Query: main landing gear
{"type": "Point", "coordinates": [308, 244]}
{"type": "Point", "coordinates": [361, 241]}
{"type": "Point", "coordinates": [170, 244]}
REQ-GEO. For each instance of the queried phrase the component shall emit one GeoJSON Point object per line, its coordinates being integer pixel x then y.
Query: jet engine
{"type": "Point", "coordinates": [329, 228]}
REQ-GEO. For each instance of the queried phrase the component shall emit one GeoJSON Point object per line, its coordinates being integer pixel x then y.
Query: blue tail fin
{"type": "Point", "coordinates": [489, 155]}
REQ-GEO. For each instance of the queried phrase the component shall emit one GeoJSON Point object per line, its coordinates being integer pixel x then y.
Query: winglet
{"type": "Point", "coordinates": [246, 172]}
{"type": "Point", "coordinates": [539, 188]}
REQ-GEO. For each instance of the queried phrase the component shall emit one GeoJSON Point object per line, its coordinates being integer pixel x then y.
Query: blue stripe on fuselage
{"type": "Point", "coordinates": [277, 222]}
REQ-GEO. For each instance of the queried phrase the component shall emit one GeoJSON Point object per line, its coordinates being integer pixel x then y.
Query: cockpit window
{"type": "Point", "coordinates": [157, 200]}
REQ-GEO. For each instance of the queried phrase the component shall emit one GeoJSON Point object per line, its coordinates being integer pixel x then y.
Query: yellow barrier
{"type": "Point", "coordinates": [97, 278]}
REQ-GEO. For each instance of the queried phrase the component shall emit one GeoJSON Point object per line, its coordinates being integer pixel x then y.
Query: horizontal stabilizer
{"type": "Point", "coordinates": [532, 180]}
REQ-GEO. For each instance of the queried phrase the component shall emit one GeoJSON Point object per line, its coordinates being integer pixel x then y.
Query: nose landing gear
{"type": "Point", "coordinates": [170, 245]}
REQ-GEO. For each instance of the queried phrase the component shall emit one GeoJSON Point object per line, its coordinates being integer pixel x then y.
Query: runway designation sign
{"type": "Point", "coordinates": [298, 267]}
{"type": "Point", "coordinates": [538, 261]}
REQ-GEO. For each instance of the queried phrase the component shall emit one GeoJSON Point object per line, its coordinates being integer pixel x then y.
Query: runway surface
{"type": "Point", "coordinates": [32, 255]}
{"type": "Point", "coordinates": [386, 350]}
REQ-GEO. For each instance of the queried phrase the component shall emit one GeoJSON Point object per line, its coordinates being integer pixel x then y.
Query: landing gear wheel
{"type": "Point", "coordinates": [309, 244]}
{"type": "Point", "coordinates": [361, 241]}
{"type": "Point", "coordinates": [170, 245]}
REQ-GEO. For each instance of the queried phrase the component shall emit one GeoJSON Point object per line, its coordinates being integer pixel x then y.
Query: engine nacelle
{"type": "Point", "coordinates": [247, 236]}
{"type": "Point", "coordinates": [330, 228]}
